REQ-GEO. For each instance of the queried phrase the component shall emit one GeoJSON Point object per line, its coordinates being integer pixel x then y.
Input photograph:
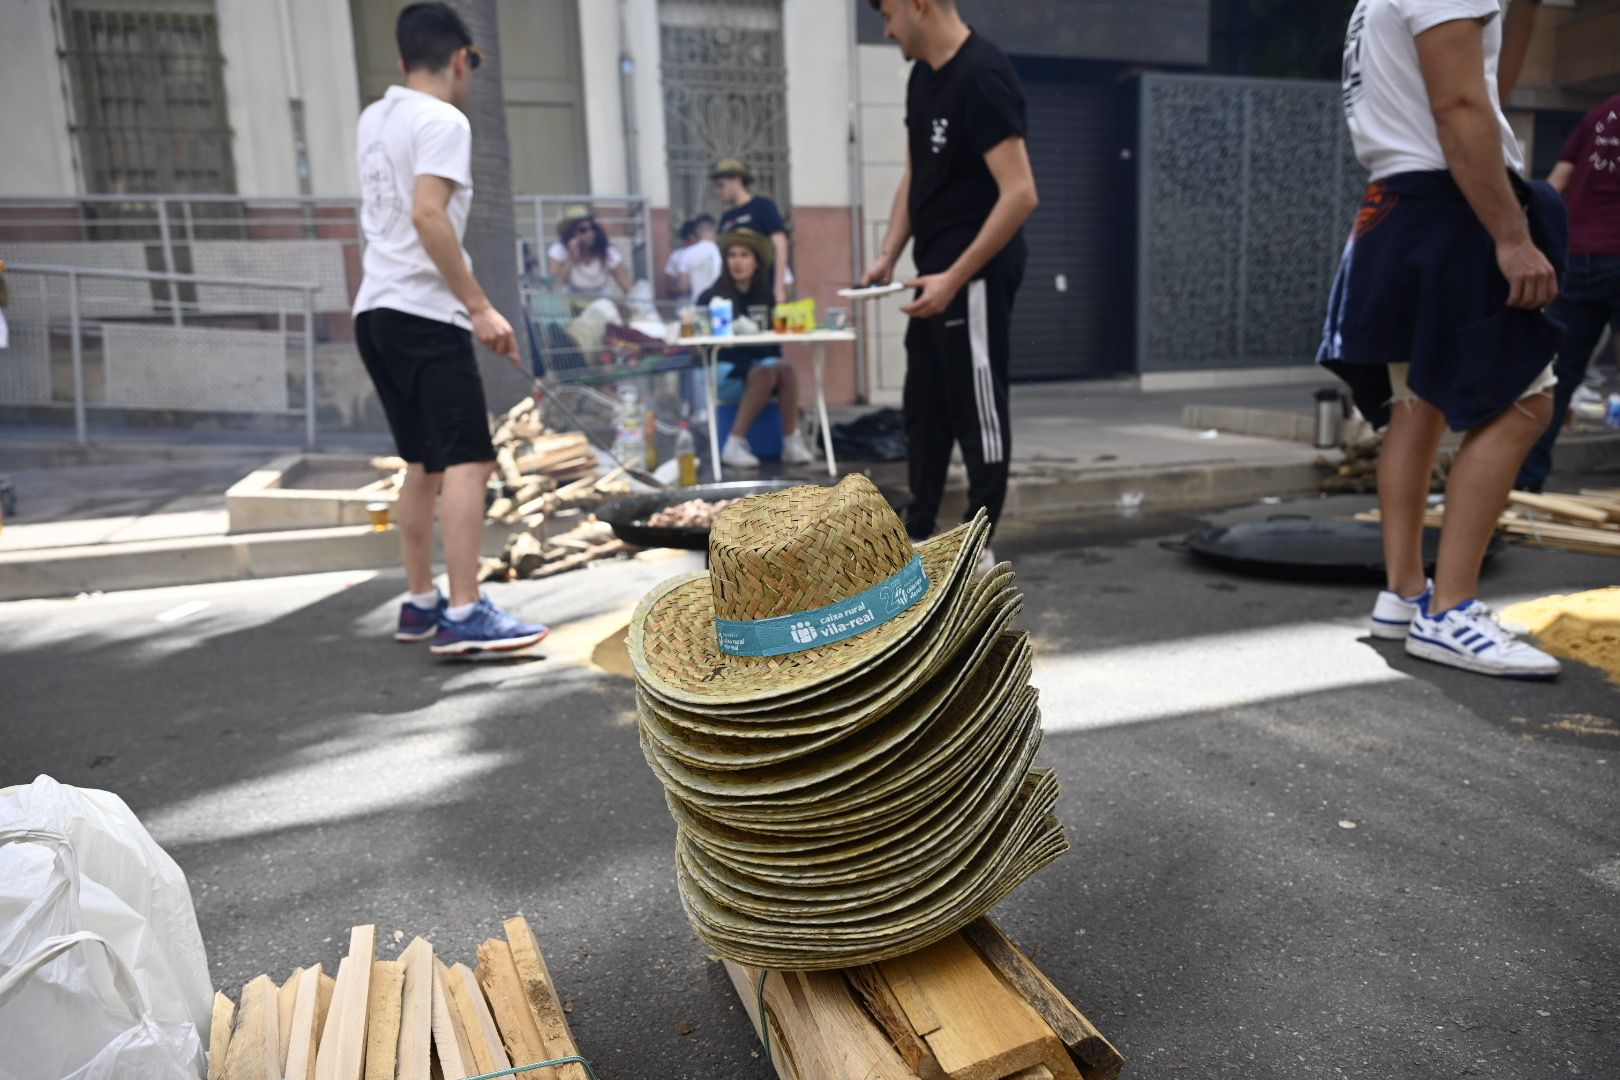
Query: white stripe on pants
{"type": "Point", "coordinates": [984, 388]}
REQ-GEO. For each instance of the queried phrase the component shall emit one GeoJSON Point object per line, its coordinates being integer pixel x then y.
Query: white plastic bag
{"type": "Point", "coordinates": [55, 1024]}
{"type": "Point", "coordinates": [76, 859]}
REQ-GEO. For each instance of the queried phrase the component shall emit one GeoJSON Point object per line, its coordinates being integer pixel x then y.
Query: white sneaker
{"type": "Point", "coordinates": [738, 454]}
{"type": "Point", "coordinates": [1469, 637]}
{"type": "Point", "coordinates": [986, 563]}
{"type": "Point", "coordinates": [795, 451]}
{"type": "Point", "coordinates": [1392, 614]}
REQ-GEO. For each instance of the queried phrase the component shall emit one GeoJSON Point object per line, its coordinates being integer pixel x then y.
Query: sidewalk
{"type": "Point", "coordinates": [140, 513]}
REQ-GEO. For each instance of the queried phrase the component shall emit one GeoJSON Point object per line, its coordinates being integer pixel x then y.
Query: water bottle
{"type": "Point", "coordinates": [721, 314]}
{"type": "Point", "coordinates": [1611, 415]}
{"type": "Point", "coordinates": [686, 454]}
{"type": "Point", "coordinates": [629, 445]}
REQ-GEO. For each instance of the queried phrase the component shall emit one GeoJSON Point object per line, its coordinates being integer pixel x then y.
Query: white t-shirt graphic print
{"type": "Point", "coordinates": [406, 135]}
{"type": "Point", "coordinates": [1385, 100]}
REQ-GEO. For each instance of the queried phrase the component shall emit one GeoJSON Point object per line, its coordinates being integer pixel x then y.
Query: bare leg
{"type": "Point", "coordinates": [461, 519]}
{"type": "Point", "coordinates": [1476, 492]}
{"type": "Point", "coordinates": [1405, 463]}
{"type": "Point", "coordinates": [413, 513]}
{"type": "Point", "coordinates": [787, 396]}
{"type": "Point", "coordinates": [761, 382]}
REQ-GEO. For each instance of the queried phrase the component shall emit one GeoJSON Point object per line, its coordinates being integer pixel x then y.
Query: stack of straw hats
{"type": "Point", "coordinates": [844, 729]}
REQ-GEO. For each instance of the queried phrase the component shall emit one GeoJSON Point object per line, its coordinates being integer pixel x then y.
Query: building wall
{"type": "Point", "coordinates": [33, 129]}
{"type": "Point", "coordinates": [883, 74]}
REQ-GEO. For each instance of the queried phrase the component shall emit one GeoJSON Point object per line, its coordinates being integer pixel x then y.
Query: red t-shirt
{"type": "Point", "coordinates": [1593, 192]}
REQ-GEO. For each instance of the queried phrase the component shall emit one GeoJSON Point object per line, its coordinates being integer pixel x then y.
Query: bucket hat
{"type": "Point", "coordinates": [754, 241]}
{"type": "Point", "coordinates": [731, 167]}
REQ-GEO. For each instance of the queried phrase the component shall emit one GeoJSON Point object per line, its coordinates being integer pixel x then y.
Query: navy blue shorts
{"type": "Point", "coordinates": [1419, 284]}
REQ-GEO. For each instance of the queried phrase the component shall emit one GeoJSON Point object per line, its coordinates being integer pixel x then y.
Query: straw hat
{"type": "Point", "coordinates": [731, 167]}
{"type": "Point", "coordinates": [754, 241]}
{"type": "Point", "coordinates": [844, 730]}
{"type": "Point", "coordinates": [572, 218]}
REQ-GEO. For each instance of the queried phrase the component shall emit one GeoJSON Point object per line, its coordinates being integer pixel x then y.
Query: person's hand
{"type": "Point", "coordinates": [938, 290]}
{"type": "Point", "coordinates": [878, 273]}
{"type": "Point", "coordinates": [1532, 281]}
{"type": "Point", "coordinates": [491, 328]}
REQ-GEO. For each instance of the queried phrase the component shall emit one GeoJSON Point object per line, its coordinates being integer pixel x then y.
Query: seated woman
{"type": "Point", "coordinates": [749, 374]}
{"type": "Point", "coordinates": [583, 261]}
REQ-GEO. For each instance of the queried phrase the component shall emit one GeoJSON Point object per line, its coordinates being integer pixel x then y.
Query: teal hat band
{"type": "Point", "coordinates": [825, 625]}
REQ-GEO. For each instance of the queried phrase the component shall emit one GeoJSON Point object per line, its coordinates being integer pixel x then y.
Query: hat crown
{"type": "Point", "coordinates": [803, 549]}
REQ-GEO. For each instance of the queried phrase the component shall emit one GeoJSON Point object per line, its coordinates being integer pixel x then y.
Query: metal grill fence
{"type": "Point", "coordinates": [1247, 191]}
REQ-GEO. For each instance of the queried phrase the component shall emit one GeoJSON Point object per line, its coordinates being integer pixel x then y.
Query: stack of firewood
{"type": "Point", "coordinates": [408, 1019]}
{"type": "Point", "coordinates": [549, 482]}
{"type": "Point", "coordinates": [1587, 522]}
{"type": "Point", "coordinates": [1357, 473]}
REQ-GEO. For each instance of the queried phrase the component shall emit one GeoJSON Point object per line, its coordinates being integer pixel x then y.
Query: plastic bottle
{"type": "Point", "coordinates": [1611, 415]}
{"type": "Point", "coordinates": [686, 454]}
{"type": "Point", "coordinates": [629, 444]}
{"type": "Point", "coordinates": [721, 314]}
{"type": "Point", "coordinates": [650, 438]}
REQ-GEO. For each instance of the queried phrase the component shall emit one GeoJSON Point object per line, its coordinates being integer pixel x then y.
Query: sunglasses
{"type": "Point", "coordinates": [475, 57]}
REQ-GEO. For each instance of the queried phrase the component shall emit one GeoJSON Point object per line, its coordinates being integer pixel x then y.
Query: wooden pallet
{"type": "Point", "coordinates": [972, 1007]}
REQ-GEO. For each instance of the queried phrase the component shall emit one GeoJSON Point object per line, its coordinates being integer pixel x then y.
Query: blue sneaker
{"type": "Point", "coordinates": [418, 624]}
{"type": "Point", "coordinates": [487, 630]}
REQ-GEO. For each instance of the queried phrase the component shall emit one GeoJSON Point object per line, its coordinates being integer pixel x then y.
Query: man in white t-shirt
{"type": "Point", "coordinates": [1436, 315]}
{"type": "Point", "coordinates": [417, 311]}
{"type": "Point", "coordinates": [697, 263]}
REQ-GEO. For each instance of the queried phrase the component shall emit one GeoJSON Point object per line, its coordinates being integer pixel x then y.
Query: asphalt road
{"type": "Point", "coordinates": [1296, 853]}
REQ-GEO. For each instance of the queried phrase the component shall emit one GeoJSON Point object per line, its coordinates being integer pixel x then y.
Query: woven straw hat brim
{"type": "Point", "coordinates": [846, 848]}
{"type": "Point", "coordinates": [846, 703]}
{"type": "Point", "coordinates": [1030, 838]}
{"type": "Point", "coordinates": [926, 856]}
{"type": "Point", "coordinates": [730, 764]}
{"type": "Point", "coordinates": [808, 783]}
{"type": "Point", "coordinates": [940, 738]}
{"type": "Point", "coordinates": [677, 657]}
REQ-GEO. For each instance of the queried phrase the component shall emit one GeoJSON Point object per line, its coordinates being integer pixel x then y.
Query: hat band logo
{"type": "Point", "coordinates": [825, 625]}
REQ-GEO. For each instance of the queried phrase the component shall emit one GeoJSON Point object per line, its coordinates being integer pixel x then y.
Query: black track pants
{"type": "Point", "coordinates": [956, 393]}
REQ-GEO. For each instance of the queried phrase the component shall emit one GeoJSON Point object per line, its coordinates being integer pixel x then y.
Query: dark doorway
{"type": "Point", "coordinates": [1074, 317]}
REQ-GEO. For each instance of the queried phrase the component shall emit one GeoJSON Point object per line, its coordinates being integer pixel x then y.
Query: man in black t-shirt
{"type": "Point", "coordinates": [745, 210]}
{"type": "Point", "coordinates": [967, 191]}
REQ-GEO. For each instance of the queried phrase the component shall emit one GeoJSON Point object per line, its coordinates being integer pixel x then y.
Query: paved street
{"type": "Point", "coordinates": [1297, 854]}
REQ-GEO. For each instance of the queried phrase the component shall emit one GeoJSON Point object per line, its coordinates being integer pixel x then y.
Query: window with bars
{"type": "Point", "coordinates": [725, 96]}
{"type": "Point", "coordinates": [149, 96]}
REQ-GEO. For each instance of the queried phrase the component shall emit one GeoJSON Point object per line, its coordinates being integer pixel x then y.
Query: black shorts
{"type": "Point", "coordinates": [427, 378]}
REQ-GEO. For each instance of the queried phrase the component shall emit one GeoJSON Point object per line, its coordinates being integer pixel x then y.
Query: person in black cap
{"type": "Point", "coordinates": [745, 210]}
{"type": "Point", "coordinates": [967, 191]}
{"type": "Point", "coordinates": [697, 263]}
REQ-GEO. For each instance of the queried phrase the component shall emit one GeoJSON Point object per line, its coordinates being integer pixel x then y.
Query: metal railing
{"type": "Point", "coordinates": [139, 360]}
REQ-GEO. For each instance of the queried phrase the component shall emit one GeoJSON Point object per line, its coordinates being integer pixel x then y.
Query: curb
{"type": "Point", "coordinates": [68, 571]}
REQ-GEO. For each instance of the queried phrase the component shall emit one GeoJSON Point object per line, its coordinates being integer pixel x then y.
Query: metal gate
{"type": "Point", "coordinates": [1246, 190]}
{"type": "Point", "coordinates": [725, 95]}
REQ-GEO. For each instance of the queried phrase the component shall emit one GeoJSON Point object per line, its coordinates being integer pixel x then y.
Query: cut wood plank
{"type": "Point", "coordinates": [255, 1044]}
{"type": "Point", "coordinates": [303, 1028]}
{"type": "Point", "coordinates": [384, 1000]}
{"type": "Point", "coordinates": [488, 1053]}
{"type": "Point", "coordinates": [541, 995]}
{"type": "Point", "coordinates": [352, 1031]}
{"type": "Point", "coordinates": [520, 1031]}
{"type": "Point", "coordinates": [817, 1028]}
{"type": "Point", "coordinates": [873, 991]}
{"type": "Point", "coordinates": [414, 1058]}
{"type": "Point", "coordinates": [324, 993]}
{"type": "Point", "coordinates": [1566, 508]}
{"type": "Point", "coordinates": [976, 1026]}
{"type": "Point", "coordinates": [284, 1008]}
{"type": "Point", "coordinates": [326, 1048]}
{"type": "Point", "coordinates": [219, 1034]}
{"type": "Point", "coordinates": [1039, 1072]}
{"type": "Point", "coordinates": [1096, 1056]}
{"type": "Point", "coordinates": [449, 1040]}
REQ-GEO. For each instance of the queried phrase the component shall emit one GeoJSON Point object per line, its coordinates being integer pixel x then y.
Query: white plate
{"type": "Point", "coordinates": [872, 291]}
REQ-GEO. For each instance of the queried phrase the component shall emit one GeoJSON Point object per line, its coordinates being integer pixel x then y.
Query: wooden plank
{"type": "Point", "coordinates": [540, 992]}
{"type": "Point", "coordinates": [303, 1028]}
{"type": "Point", "coordinates": [817, 1028]}
{"type": "Point", "coordinates": [488, 1053]}
{"type": "Point", "coordinates": [324, 993]}
{"type": "Point", "coordinates": [384, 1001]}
{"type": "Point", "coordinates": [1560, 507]}
{"type": "Point", "coordinates": [414, 1057]}
{"type": "Point", "coordinates": [520, 1032]}
{"type": "Point", "coordinates": [449, 1040]}
{"type": "Point", "coordinates": [873, 991]}
{"type": "Point", "coordinates": [1095, 1055]}
{"type": "Point", "coordinates": [256, 1043]}
{"type": "Point", "coordinates": [350, 1063]}
{"type": "Point", "coordinates": [326, 1048]}
{"type": "Point", "coordinates": [219, 1034]}
{"type": "Point", "coordinates": [284, 1008]}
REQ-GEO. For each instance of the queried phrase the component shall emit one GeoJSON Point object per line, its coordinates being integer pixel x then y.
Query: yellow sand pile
{"type": "Point", "coordinates": [1584, 627]}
